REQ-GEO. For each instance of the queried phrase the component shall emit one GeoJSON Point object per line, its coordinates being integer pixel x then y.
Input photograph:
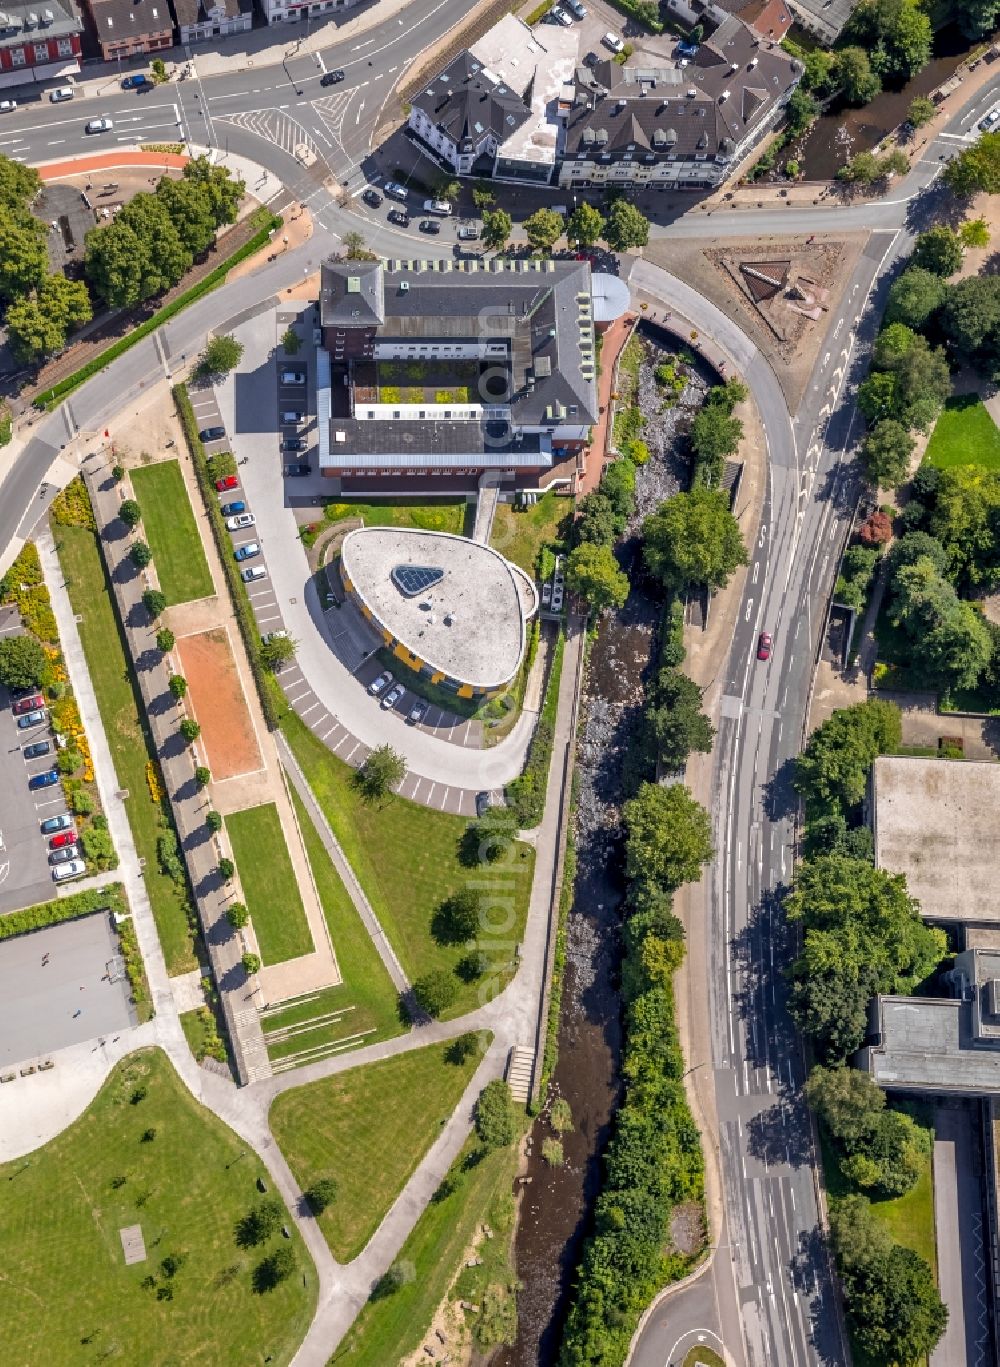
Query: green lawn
{"type": "Point", "coordinates": [520, 533]}
{"type": "Point", "coordinates": [366, 996]}
{"type": "Point", "coordinates": [442, 515]}
{"type": "Point", "coordinates": [388, 1329]}
{"type": "Point", "coordinates": [128, 737]}
{"type": "Point", "coordinates": [169, 527]}
{"type": "Point", "coordinates": [202, 1034]}
{"type": "Point", "coordinates": [407, 859]}
{"type": "Point", "coordinates": [268, 881]}
{"type": "Point", "coordinates": [964, 434]}
{"type": "Point", "coordinates": [66, 1296]}
{"type": "Point", "coordinates": [367, 1129]}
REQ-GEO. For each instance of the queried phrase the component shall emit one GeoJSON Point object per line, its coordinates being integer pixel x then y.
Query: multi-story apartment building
{"type": "Point", "coordinates": [39, 41]}
{"type": "Point", "coordinates": [131, 28]}
{"type": "Point", "coordinates": [198, 20]}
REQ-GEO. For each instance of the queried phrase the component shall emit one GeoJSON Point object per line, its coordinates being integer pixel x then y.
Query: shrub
{"type": "Point", "coordinates": [177, 685]}
{"type": "Point", "coordinates": [165, 640]}
{"type": "Point", "coordinates": [435, 992]}
{"type": "Point", "coordinates": [226, 869]}
{"type": "Point", "coordinates": [495, 1121]}
{"type": "Point", "coordinates": [237, 915]}
{"type": "Point", "coordinates": [22, 662]}
{"type": "Point", "coordinates": [140, 555]}
{"type": "Point", "coordinates": [154, 602]}
{"type": "Point", "coordinates": [98, 848]}
{"type": "Point", "coordinates": [130, 513]}
{"type": "Point", "coordinates": [69, 761]}
{"type": "Point", "coordinates": [213, 820]}
{"type": "Point", "coordinates": [82, 803]}
{"type": "Point", "coordinates": [189, 729]}
{"type": "Point", "coordinates": [552, 1152]}
{"type": "Point", "coordinates": [251, 964]}
{"type": "Point", "coordinates": [202, 776]}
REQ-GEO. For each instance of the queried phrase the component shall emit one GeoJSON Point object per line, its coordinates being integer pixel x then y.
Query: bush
{"type": "Point", "coordinates": [69, 761]}
{"type": "Point", "coordinates": [165, 640]}
{"type": "Point", "coordinates": [99, 849]}
{"type": "Point", "coordinates": [22, 662]}
{"type": "Point", "coordinates": [552, 1152]}
{"type": "Point", "coordinates": [495, 1120]}
{"type": "Point", "coordinates": [202, 776]}
{"type": "Point", "coordinates": [177, 685]}
{"type": "Point", "coordinates": [226, 869]}
{"type": "Point", "coordinates": [321, 1194]}
{"type": "Point", "coordinates": [154, 602]}
{"type": "Point", "coordinates": [140, 555]}
{"type": "Point", "coordinates": [435, 992]}
{"type": "Point", "coordinates": [130, 513]}
{"type": "Point", "coordinates": [63, 909]}
{"type": "Point", "coordinates": [189, 729]}
{"type": "Point", "coordinates": [237, 915]}
{"type": "Point", "coordinates": [251, 964]}
{"type": "Point", "coordinates": [82, 803]}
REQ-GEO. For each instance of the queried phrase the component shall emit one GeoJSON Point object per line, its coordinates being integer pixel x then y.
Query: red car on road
{"type": "Point", "coordinates": [63, 838]}
{"type": "Point", "coordinates": [230, 482]}
{"type": "Point", "coordinates": [764, 644]}
{"type": "Point", "coordinates": [28, 704]}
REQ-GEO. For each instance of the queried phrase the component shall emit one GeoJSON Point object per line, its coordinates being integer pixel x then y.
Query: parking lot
{"type": "Point", "coordinates": [25, 876]}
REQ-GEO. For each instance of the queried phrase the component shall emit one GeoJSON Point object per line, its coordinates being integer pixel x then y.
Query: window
{"type": "Point", "coordinates": [41, 52]}
{"type": "Point", "coordinates": [65, 47]}
{"type": "Point", "coordinates": [17, 57]}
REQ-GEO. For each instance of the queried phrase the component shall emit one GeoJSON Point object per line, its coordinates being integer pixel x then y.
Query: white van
{"type": "Point", "coordinates": [62, 92]}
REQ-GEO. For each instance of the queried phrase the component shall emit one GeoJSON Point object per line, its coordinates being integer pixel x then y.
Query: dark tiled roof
{"type": "Point", "coordinates": [115, 21]}
{"type": "Point", "coordinates": [381, 442]}
{"type": "Point", "coordinates": [706, 108]}
{"type": "Point", "coordinates": [351, 293]}
{"type": "Point", "coordinates": [20, 29]}
{"type": "Point", "coordinates": [468, 105]}
{"type": "Point", "coordinates": [189, 12]}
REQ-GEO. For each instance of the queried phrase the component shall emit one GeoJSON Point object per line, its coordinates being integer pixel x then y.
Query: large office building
{"type": "Point", "coordinates": [434, 374]}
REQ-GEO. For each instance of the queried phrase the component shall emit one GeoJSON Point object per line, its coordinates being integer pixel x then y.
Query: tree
{"type": "Point", "coordinates": [497, 228]}
{"type": "Point", "coordinates": [458, 918]}
{"type": "Point", "coordinates": [321, 1194]}
{"type": "Point", "coordinates": [190, 212]}
{"type": "Point", "coordinates": [131, 514]}
{"type": "Point", "coordinates": [137, 255]}
{"type": "Point", "coordinates": [276, 1268]}
{"type": "Point", "coordinates": [18, 184]}
{"type": "Point", "coordinates": [220, 190]}
{"type": "Point", "coordinates": [448, 189]}
{"type": "Point", "coordinates": [846, 1100]}
{"type": "Point", "coordinates": [976, 18]}
{"type": "Point", "coordinates": [618, 487]}
{"type": "Point", "coordinates": [177, 685]}
{"type": "Point", "coordinates": [817, 71]}
{"type": "Point", "coordinates": [955, 645]}
{"type": "Point", "coordinates": [593, 573]}
{"type": "Point", "coordinates": [22, 662]}
{"type": "Point", "coordinates": [489, 839]}
{"type": "Point", "coordinates": [876, 530]}
{"type": "Point", "coordinates": [976, 170]}
{"type": "Point", "coordinates": [668, 836]}
{"type": "Point", "coordinates": [226, 869]}
{"type": "Point", "coordinates": [585, 225]}
{"type": "Point", "coordinates": [913, 386]}
{"type": "Point", "coordinates": [915, 297]}
{"type": "Point", "coordinates": [596, 522]}
{"type": "Point", "coordinates": [886, 452]}
{"type": "Point", "coordinates": [381, 772]}
{"type": "Point", "coordinates": [277, 651]}
{"type": "Point", "coordinates": [853, 76]}
{"type": "Point", "coordinates": [626, 228]}
{"type": "Point", "coordinates": [970, 319]}
{"type": "Point", "coordinates": [832, 770]}
{"type": "Point", "coordinates": [39, 324]}
{"type": "Point", "coordinates": [482, 197]}
{"type": "Point", "coordinates": [675, 720]}
{"type": "Point", "coordinates": [939, 250]}
{"type": "Point", "coordinates": [543, 229]}
{"type": "Point", "coordinates": [693, 538]}
{"type": "Point", "coordinates": [222, 355]}
{"type": "Point", "coordinates": [251, 964]}
{"type": "Point", "coordinates": [355, 248]}
{"type": "Point", "coordinates": [190, 730]}
{"type": "Point", "coordinates": [237, 915]}
{"type": "Point", "coordinates": [435, 991]}
{"type": "Point", "coordinates": [260, 1223]}
{"type": "Point", "coordinates": [975, 232]}
{"type": "Point", "coordinates": [401, 1273]}
{"type": "Point", "coordinates": [891, 1156]}
{"type": "Point", "coordinates": [164, 637]}
{"type": "Point", "coordinates": [897, 34]}
{"type": "Point", "coordinates": [496, 1125]}
{"type": "Point", "coordinates": [714, 435]}
{"type": "Point", "coordinates": [291, 342]}
{"type": "Point", "coordinates": [202, 776]}
{"type": "Point", "coordinates": [921, 111]}
{"type": "Point", "coordinates": [460, 1050]}
{"type": "Point", "coordinates": [915, 546]}
{"type": "Point", "coordinates": [800, 111]}
{"type": "Point", "coordinates": [98, 847]}
{"type": "Point", "coordinates": [23, 256]}
{"type": "Point", "coordinates": [213, 820]}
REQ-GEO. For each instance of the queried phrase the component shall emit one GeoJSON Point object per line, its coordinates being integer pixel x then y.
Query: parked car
{"type": "Point", "coordinates": [28, 703]}
{"type": "Point", "coordinates": [279, 635]}
{"type": "Point", "coordinates": [231, 509]}
{"type": "Point", "coordinates": [399, 217]}
{"type": "Point", "coordinates": [546, 594]}
{"type": "Point", "coordinates": [292, 377]}
{"type": "Point", "coordinates": [294, 444]}
{"type": "Point", "coordinates": [333, 77]}
{"type": "Point", "coordinates": [611, 41]}
{"type": "Point", "coordinates": [64, 838]}
{"type": "Point", "coordinates": [252, 573]}
{"type": "Point", "coordinates": [36, 749]}
{"type": "Point", "coordinates": [140, 81]}
{"type": "Point", "coordinates": [393, 696]}
{"type": "Point", "coordinates": [292, 415]}
{"type": "Point", "coordinates": [484, 801]}
{"type": "Point", "coordinates": [764, 645]}
{"type": "Point", "coordinates": [101, 125]}
{"type": "Point", "coordinates": [61, 92]}
{"type": "Point", "coordinates": [437, 206]}
{"type": "Point", "coordinates": [372, 197]}
{"type": "Point", "coordinates": [248, 551]}
{"type": "Point", "coordinates": [33, 718]}
{"type": "Point", "coordinates": [234, 524]}
{"type": "Point", "coordinates": [294, 471]}
{"type": "Point", "coordinates": [559, 15]}
{"type": "Point", "coordinates": [7, 105]}
{"type": "Point", "coordinates": [212, 433]}
{"type": "Point", "coordinates": [591, 59]}
{"type": "Point", "coordinates": [394, 190]}
{"type": "Point", "coordinates": [75, 868]}
{"type": "Point", "coordinates": [380, 684]}
{"type": "Point", "coordinates": [45, 780]}
{"type": "Point", "coordinates": [63, 856]}
{"type": "Point", "coordinates": [62, 822]}
{"type": "Point", "coordinates": [417, 712]}
{"type": "Point", "coordinates": [227, 482]}
{"type": "Point", "coordinates": [576, 8]}
{"type": "Point", "coordinates": [429, 225]}
{"type": "Point", "coordinates": [468, 233]}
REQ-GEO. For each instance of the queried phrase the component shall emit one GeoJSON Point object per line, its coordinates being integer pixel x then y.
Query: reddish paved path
{"type": "Point", "coordinates": [107, 161]}
{"type": "Point", "coordinates": [613, 341]}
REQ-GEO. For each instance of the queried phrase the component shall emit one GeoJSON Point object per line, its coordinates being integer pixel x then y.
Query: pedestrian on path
{"type": "Point", "coordinates": [78, 1012]}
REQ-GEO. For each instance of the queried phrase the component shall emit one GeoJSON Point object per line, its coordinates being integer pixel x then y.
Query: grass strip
{"type": "Point", "coordinates": [526, 793]}
{"type": "Point", "coordinates": [368, 1129]}
{"type": "Point", "coordinates": [144, 1153]}
{"type": "Point", "coordinates": [53, 397]}
{"type": "Point", "coordinates": [171, 531]}
{"type": "Point", "coordinates": [964, 434]}
{"type": "Point", "coordinates": [269, 884]}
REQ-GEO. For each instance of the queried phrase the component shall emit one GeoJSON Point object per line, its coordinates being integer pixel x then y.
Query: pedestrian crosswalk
{"type": "Point", "coordinates": [277, 128]}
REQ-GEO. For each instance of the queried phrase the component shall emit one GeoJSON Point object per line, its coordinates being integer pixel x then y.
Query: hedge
{"type": "Point", "coordinates": [526, 794]}
{"type": "Point", "coordinates": [237, 589]}
{"type": "Point", "coordinates": [52, 397]}
{"type": "Point", "coordinates": [110, 898]}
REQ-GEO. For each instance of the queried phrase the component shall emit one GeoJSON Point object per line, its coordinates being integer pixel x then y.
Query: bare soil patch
{"type": "Point", "coordinates": [218, 702]}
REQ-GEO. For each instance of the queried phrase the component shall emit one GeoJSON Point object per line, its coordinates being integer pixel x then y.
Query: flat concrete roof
{"type": "Point", "coordinates": [39, 1001]}
{"type": "Point", "coordinates": [938, 821]}
{"type": "Point", "coordinates": [466, 621]}
{"type": "Point", "coordinates": [546, 56]}
{"type": "Point", "coordinates": [926, 1045]}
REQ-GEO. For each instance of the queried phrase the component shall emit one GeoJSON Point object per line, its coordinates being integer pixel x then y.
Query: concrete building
{"type": "Point", "coordinates": [434, 374]}
{"type": "Point", "coordinates": [198, 20]}
{"type": "Point", "coordinates": [131, 28]}
{"type": "Point", "coordinates": [448, 608]}
{"type": "Point", "coordinates": [301, 11]}
{"type": "Point", "coordinates": [521, 105]}
{"type": "Point", "coordinates": [39, 42]}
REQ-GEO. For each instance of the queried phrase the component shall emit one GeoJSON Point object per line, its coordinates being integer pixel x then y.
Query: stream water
{"type": "Point", "coordinates": [557, 1203]}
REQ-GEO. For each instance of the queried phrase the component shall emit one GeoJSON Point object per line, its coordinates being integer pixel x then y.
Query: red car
{"type": "Point", "coordinates": [764, 644]}
{"type": "Point", "coordinates": [28, 704]}
{"type": "Point", "coordinates": [230, 482]}
{"type": "Point", "coordinates": [63, 838]}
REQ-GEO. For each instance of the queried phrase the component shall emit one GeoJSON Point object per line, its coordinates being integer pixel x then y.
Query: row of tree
{"type": "Point", "coordinates": [623, 227]}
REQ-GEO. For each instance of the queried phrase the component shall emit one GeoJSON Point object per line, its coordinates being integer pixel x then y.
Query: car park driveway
{"type": "Point", "coordinates": [25, 877]}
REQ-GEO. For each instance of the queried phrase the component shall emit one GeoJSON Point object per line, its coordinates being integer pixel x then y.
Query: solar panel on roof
{"type": "Point", "coordinates": [414, 579]}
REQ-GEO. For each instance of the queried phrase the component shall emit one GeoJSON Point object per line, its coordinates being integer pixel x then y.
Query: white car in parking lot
{"type": "Point", "coordinates": [560, 16]}
{"type": "Point", "coordinates": [233, 524]}
{"type": "Point", "coordinates": [73, 868]}
{"type": "Point", "coordinates": [615, 44]}
{"type": "Point", "coordinates": [252, 573]}
{"type": "Point", "coordinates": [437, 206]}
{"type": "Point", "coordinates": [293, 377]}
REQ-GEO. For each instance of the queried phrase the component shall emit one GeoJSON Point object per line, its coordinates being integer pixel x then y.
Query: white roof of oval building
{"type": "Point", "coordinates": [458, 606]}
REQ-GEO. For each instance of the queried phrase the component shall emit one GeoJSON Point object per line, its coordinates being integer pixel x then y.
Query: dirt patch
{"type": "Point", "coordinates": [218, 702]}
{"type": "Point", "coordinates": [787, 337]}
